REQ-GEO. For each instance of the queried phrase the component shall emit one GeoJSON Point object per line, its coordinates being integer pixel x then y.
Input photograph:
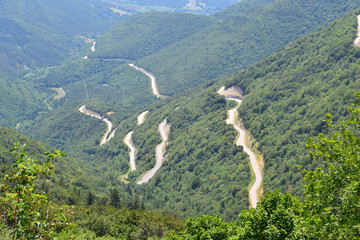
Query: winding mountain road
{"type": "Point", "coordinates": [129, 142]}
{"type": "Point", "coordinates": [109, 124]}
{"type": "Point", "coordinates": [240, 141]}
{"type": "Point", "coordinates": [164, 129]}
{"type": "Point", "coordinates": [153, 80]}
{"type": "Point", "coordinates": [93, 46]}
{"type": "Point", "coordinates": [60, 93]}
{"type": "Point", "coordinates": [357, 40]}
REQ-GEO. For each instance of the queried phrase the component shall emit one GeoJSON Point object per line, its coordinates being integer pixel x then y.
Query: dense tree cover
{"type": "Point", "coordinates": [201, 158]}
{"type": "Point", "coordinates": [110, 223]}
{"type": "Point", "coordinates": [19, 101]}
{"type": "Point", "coordinates": [203, 164]}
{"type": "Point", "coordinates": [195, 53]}
{"type": "Point", "coordinates": [146, 34]}
{"type": "Point", "coordinates": [112, 81]}
{"type": "Point", "coordinates": [37, 33]}
{"type": "Point", "coordinates": [287, 93]}
{"type": "Point", "coordinates": [201, 152]}
{"type": "Point", "coordinates": [242, 7]}
{"type": "Point", "coordinates": [70, 182]}
{"type": "Point", "coordinates": [26, 212]}
{"type": "Point", "coordinates": [239, 41]}
{"type": "Point", "coordinates": [330, 205]}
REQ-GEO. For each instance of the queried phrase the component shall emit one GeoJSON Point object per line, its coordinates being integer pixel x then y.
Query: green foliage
{"type": "Point", "coordinates": [107, 221]}
{"type": "Point", "coordinates": [206, 227]}
{"type": "Point", "coordinates": [70, 182]}
{"type": "Point", "coordinates": [239, 40]}
{"type": "Point", "coordinates": [275, 217]}
{"type": "Point", "coordinates": [27, 214]}
{"type": "Point", "coordinates": [114, 198]}
{"type": "Point", "coordinates": [19, 101]}
{"type": "Point", "coordinates": [40, 33]}
{"type": "Point", "coordinates": [204, 171]}
{"type": "Point", "coordinates": [330, 205]}
{"type": "Point", "coordinates": [146, 34]}
{"type": "Point", "coordinates": [288, 93]}
{"type": "Point", "coordinates": [332, 192]}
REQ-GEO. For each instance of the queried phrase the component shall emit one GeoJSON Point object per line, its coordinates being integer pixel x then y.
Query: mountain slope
{"type": "Point", "coordinates": [288, 94]}
{"type": "Point", "coordinates": [18, 102]}
{"type": "Point", "coordinates": [71, 179]}
{"type": "Point", "coordinates": [286, 98]}
{"type": "Point", "coordinates": [145, 34]}
{"type": "Point", "coordinates": [239, 41]}
{"type": "Point", "coordinates": [37, 33]}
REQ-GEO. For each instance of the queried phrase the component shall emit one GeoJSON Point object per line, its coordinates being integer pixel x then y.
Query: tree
{"type": "Point", "coordinates": [332, 193]}
{"type": "Point", "coordinates": [114, 198]}
{"type": "Point", "coordinates": [274, 217]}
{"type": "Point", "coordinates": [90, 198]}
{"type": "Point", "coordinates": [206, 227]}
{"type": "Point", "coordinates": [26, 214]}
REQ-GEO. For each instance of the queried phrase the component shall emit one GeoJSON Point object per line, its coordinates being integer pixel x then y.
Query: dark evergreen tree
{"type": "Point", "coordinates": [90, 199]}
{"type": "Point", "coordinates": [115, 198]}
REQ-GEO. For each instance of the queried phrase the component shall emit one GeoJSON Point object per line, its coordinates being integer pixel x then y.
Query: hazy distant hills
{"type": "Point", "coordinates": [240, 41]}
{"type": "Point", "coordinates": [141, 6]}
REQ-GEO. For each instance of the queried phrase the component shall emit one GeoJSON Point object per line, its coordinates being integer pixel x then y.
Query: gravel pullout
{"type": "Point", "coordinates": [164, 129]}
{"type": "Point", "coordinates": [61, 93]}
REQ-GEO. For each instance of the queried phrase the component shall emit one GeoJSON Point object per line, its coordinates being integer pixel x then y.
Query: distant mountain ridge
{"type": "Point", "coordinates": [242, 35]}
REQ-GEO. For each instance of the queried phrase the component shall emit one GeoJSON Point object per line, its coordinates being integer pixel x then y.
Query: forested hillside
{"type": "Point", "coordinates": [239, 41]}
{"type": "Point", "coordinates": [183, 62]}
{"type": "Point", "coordinates": [69, 184]}
{"type": "Point", "coordinates": [93, 194]}
{"type": "Point", "coordinates": [201, 152]}
{"type": "Point", "coordinates": [189, 57]}
{"type": "Point", "coordinates": [19, 102]}
{"type": "Point", "coordinates": [288, 93]}
{"type": "Point", "coordinates": [37, 33]}
{"type": "Point", "coordinates": [146, 34]}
